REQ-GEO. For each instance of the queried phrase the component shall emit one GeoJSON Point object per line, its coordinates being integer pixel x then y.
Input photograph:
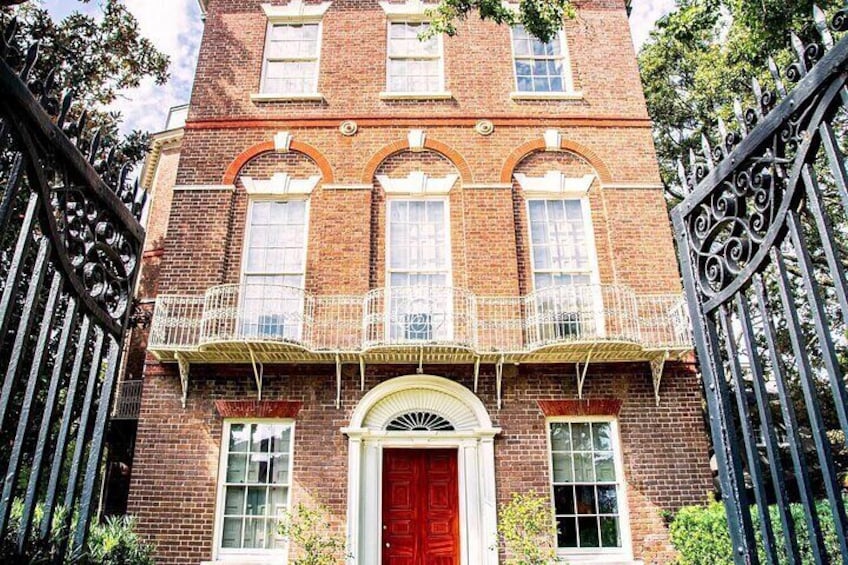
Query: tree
{"type": "Point", "coordinates": [703, 55]}
{"type": "Point", "coordinates": [95, 58]}
{"type": "Point", "coordinates": [542, 18]}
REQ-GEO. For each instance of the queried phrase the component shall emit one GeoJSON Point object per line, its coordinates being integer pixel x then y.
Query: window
{"type": "Point", "coordinates": [563, 268]}
{"type": "Point", "coordinates": [419, 270]}
{"type": "Point", "coordinates": [274, 269]}
{"type": "Point", "coordinates": [540, 67]}
{"type": "Point", "coordinates": [291, 59]}
{"type": "Point", "coordinates": [254, 486]}
{"type": "Point", "coordinates": [414, 66]}
{"type": "Point", "coordinates": [587, 486]}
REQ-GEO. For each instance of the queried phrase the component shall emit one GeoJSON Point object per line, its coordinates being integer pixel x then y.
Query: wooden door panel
{"type": "Point", "coordinates": [420, 507]}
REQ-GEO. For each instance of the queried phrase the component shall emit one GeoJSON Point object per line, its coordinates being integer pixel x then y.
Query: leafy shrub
{"type": "Point", "coordinates": [308, 530]}
{"type": "Point", "coordinates": [112, 543]}
{"type": "Point", "coordinates": [700, 534]}
{"type": "Point", "coordinates": [525, 527]}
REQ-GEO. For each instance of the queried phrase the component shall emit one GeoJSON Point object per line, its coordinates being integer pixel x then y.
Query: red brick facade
{"type": "Point", "coordinates": [228, 136]}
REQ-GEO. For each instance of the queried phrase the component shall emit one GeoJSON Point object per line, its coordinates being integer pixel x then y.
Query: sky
{"type": "Point", "coordinates": [175, 27]}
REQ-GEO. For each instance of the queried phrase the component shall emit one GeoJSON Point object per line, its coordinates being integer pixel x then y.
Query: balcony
{"type": "Point", "coordinates": [278, 324]}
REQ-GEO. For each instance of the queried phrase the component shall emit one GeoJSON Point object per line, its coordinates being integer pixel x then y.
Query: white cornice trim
{"type": "Point", "coordinates": [347, 186]}
{"type": "Point", "coordinates": [296, 11]}
{"type": "Point", "coordinates": [201, 187]}
{"type": "Point", "coordinates": [555, 183]}
{"type": "Point", "coordinates": [281, 184]}
{"type": "Point", "coordinates": [417, 183]}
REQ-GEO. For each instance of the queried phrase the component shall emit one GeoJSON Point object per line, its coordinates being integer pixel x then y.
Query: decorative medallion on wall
{"type": "Point", "coordinates": [484, 127]}
{"type": "Point", "coordinates": [419, 422]}
{"type": "Point", "coordinates": [348, 128]}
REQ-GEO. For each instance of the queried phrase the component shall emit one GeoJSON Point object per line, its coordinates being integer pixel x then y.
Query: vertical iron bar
{"type": "Point", "coordinates": [23, 333]}
{"type": "Point", "coordinates": [748, 437]}
{"type": "Point", "coordinates": [46, 421]}
{"type": "Point", "coordinates": [793, 553]}
{"type": "Point", "coordinates": [732, 484]}
{"type": "Point", "coordinates": [12, 289]}
{"type": "Point", "coordinates": [802, 471]}
{"type": "Point", "coordinates": [820, 439]}
{"type": "Point", "coordinates": [79, 446]}
{"type": "Point", "coordinates": [835, 159]}
{"type": "Point", "coordinates": [95, 450]}
{"type": "Point", "coordinates": [7, 204]}
{"type": "Point", "coordinates": [62, 438]}
{"type": "Point", "coordinates": [41, 350]}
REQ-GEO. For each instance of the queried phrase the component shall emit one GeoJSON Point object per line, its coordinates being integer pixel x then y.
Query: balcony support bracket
{"type": "Point", "coordinates": [420, 369]}
{"type": "Point", "coordinates": [581, 374]}
{"type": "Point", "coordinates": [184, 367]}
{"type": "Point", "coordinates": [361, 373]}
{"type": "Point", "coordinates": [657, 366]}
{"type": "Point", "coordinates": [499, 380]}
{"type": "Point", "coordinates": [338, 382]}
{"type": "Point", "coordinates": [258, 371]}
{"type": "Point", "coordinates": [476, 373]}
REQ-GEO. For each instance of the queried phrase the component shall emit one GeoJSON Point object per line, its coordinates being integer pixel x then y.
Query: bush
{"type": "Point", "coordinates": [310, 532]}
{"type": "Point", "coordinates": [112, 543]}
{"type": "Point", "coordinates": [701, 535]}
{"type": "Point", "coordinates": [524, 525]}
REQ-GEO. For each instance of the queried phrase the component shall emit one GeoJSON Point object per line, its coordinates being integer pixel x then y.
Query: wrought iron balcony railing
{"type": "Point", "coordinates": [237, 322]}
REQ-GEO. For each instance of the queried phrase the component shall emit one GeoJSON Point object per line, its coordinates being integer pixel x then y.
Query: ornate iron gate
{"type": "Point", "coordinates": [70, 243]}
{"type": "Point", "coordinates": [763, 243]}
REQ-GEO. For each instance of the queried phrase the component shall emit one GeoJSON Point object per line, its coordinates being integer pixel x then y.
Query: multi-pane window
{"type": "Point", "coordinates": [275, 264]}
{"type": "Point", "coordinates": [539, 67]}
{"type": "Point", "coordinates": [291, 59]}
{"type": "Point", "coordinates": [413, 65]}
{"type": "Point", "coordinates": [587, 486]}
{"type": "Point", "coordinates": [419, 269]}
{"type": "Point", "coordinates": [255, 485]}
{"type": "Point", "coordinates": [566, 306]}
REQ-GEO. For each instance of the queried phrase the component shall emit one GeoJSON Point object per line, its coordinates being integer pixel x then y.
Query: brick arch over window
{"type": "Point", "coordinates": [403, 145]}
{"type": "Point", "coordinates": [239, 162]}
{"type": "Point", "coordinates": [523, 151]}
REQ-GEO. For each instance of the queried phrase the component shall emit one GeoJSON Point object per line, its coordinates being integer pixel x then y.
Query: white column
{"type": "Point", "coordinates": [470, 501]}
{"type": "Point", "coordinates": [369, 534]}
{"type": "Point", "coordinates": [488, 499]}
{"type": "Point", "coordinates": [354, 459]}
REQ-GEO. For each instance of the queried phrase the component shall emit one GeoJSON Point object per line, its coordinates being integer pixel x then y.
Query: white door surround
{"type": "Point", "coordinates": [473, 437]}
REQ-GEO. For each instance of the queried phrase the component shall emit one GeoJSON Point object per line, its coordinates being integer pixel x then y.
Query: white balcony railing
{"type": "Point", "coordinates": [414, 317]}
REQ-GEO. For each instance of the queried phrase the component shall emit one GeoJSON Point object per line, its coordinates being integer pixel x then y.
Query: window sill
{"type": "Point", "coordinates": [546, 95]}
{"type": "Point", "coordinates": [446, 95]}
{"type": "Point", "coordinates": [273, 97]}
{"type": "Point", "coordinates": [596, 558]}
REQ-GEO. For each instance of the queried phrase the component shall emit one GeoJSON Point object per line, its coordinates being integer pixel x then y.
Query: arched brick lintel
{"type": "Point", "coordinates": [523, 151]}
{"type": "Point", "coordinates": [402, 145]}
{"type": "Point", "coordinates": [267, 146]}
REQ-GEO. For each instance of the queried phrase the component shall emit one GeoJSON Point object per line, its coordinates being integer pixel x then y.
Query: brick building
{"type": "Point", "coordinates": [403, 280]}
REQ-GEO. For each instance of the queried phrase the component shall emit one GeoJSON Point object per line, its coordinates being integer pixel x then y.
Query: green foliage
{"type": "Point", "coordinates": [542, 18]}
{"type": "Point", "coordinates": [312, 535]}
{"type": "Point", "coordinates": [95, 57]}
{"type": "Point", "coordinates": [525, 527]}
{"type": "Point", "coordinates": [703, 55]}
{"type": "Point", "coordinates": [113, 543]}
{"type": "Point", "coordinates": [701, 535]}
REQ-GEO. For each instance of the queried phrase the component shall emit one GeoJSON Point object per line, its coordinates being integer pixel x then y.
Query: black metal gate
{"type": "Point", "coordinates": [763, 243]}
{"type": "Point", "coordinates": [70, 243]}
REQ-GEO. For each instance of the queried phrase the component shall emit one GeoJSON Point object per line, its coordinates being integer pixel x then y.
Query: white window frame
{"type": "Point", "coordinates": [266, 60]}
{"type": "Point", "coordinates": [592, 271]}
{"type": "Point", "coordinates": [440, 93]}
{"type": "Point", "coordinates": [595, 555]}
{"type": "Point", "coordinates": [243, 275]}
{"type": "Point", "coordinates": [568, 92]}
{"type": "Point", "coordinates": [248, 555]}
{"type": "Point", "coordinates": [388, 270]}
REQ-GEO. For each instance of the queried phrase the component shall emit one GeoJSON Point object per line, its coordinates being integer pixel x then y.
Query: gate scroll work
{"type": "Point", "coordinates": [763, 242]}
{"type": "Point", "coordinates": [70, 249]}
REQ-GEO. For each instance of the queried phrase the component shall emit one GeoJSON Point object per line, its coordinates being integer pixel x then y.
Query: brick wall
{"type": "Point", "coordinates": [176, 466]}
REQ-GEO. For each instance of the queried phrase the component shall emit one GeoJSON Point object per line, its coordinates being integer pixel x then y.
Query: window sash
{"type": "Point", "coordinates": [426, 53]}
{"type": "Point", "coordinates": [555, 244]}
{"type": "Point", "coordinates": [237, 486]}
{"type": "Point", "coordinates": [558, 53]}
{"type": "Point", "coordinates": [275, 56]}
{"type": "Point", "coordinates": [594, 519]}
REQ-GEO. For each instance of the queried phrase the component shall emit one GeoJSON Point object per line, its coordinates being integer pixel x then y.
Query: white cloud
{"type": "Point", "coordinates": [175, 27]}
{"type": "Point", "coordinates": [645, 13]}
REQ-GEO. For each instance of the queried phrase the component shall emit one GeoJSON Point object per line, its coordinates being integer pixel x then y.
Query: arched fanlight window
{"type": "Point", "coordinates": [419, 422]}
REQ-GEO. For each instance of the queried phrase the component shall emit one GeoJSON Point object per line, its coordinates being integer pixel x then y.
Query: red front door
{"type": "Point", "coordinates": [420, 507]}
